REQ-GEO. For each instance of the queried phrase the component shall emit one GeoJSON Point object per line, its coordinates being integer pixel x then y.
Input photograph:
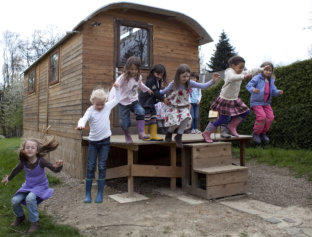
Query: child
{"type": "Point", "coordinates": [195, 97]}
{"type": "Point", "coordinates": [153, 82]}
{"type": "Point", "coordinates": [160, 117]}
{"type": "Point", "coordinates": [177, 113]}
{"type": "Point", "coordinates": [129, 83]}
{"type": "Point", "coordinates": [231, 108]}
{"type": "Point", "coordinates": [262, 90]}
{"type": "Point", "coordinates": [35, 189]}
{"type": "Point", "coordinates": [99, 138]}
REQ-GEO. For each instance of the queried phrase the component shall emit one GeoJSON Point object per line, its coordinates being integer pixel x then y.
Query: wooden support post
{"type": "Point", "coordinates": [130, 177]}
{"type": "Point", "coordinates": [135, 157]}
{"type": "Point", "coordinates": [173, 163]}
{"type": "Point", "coordinates": [242, 152]}
{"type": "Point", "coordinates": [184, 182]}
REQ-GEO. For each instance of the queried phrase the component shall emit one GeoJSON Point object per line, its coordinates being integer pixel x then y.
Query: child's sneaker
{"type": "Point", "coordinates": [34, 226]}
{"type": "Point", "coordinates": [265, 138]}
{"type": "Point", "coordinates": [193, 131]}
{"type": "Point", "coordinates": [18, 221]}
{"type": "Point", "coordinates": [197, 131]}
{"type": "Point", "coordinates": [256, 138]}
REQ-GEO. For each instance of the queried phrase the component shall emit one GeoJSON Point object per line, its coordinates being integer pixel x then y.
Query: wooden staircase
{"type": "Point", "coordinates": [208, 171]}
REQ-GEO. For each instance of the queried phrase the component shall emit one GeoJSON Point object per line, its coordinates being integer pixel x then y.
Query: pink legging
{"type": "Point", "coordinates": [264, 118]}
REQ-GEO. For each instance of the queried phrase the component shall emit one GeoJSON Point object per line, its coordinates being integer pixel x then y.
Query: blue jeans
{"type": "Point", "coordinates": [124, 113]}
{"type": "Point", "coordinates": [194, 114]}
{"type": "Point", "coordinates": [97, 149]}
{"type": "Point", "coordinates": [31, 204]}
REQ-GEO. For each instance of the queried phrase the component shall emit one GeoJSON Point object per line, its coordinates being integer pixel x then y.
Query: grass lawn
{"type": "Point", "coordinates": [8, 160]}
{"type": "Point", "coordinates": [299, 161]}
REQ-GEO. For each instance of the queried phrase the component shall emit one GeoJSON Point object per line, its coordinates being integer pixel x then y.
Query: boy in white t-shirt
{"type": "Point", "coordinates": [99, 137]}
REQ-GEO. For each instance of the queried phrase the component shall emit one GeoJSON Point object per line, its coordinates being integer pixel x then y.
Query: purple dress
{"type": "Point", "coordinates": [37, 183]}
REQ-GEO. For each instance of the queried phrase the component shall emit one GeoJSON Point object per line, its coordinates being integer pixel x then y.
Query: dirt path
{"type": "Point", "coordinates": [162, 215]}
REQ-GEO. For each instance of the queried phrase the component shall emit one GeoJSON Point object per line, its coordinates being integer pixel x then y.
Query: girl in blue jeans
{"type": "Point", "coordinates": [195, 97]}
{"type": "Point", "coordinates": [129, 83]}
{"type": "Point", "coordinates": [35, 189]}
{"type": "Point", "coordinates": [99, 138]}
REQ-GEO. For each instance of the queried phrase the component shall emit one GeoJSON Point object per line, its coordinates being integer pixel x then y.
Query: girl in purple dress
{"type": "Point", "coordinates": [35, 189]}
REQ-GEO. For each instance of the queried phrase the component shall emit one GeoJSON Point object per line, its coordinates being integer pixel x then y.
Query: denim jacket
{"type": "Point", "coordinates": [258, 82]}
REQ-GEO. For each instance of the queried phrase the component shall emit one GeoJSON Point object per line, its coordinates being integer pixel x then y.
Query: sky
{"type": "Point", "coordinates": [260, 30]}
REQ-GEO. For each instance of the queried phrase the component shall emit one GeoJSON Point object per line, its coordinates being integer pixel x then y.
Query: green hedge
{"type": "Point", "coordinates": [292, 127]}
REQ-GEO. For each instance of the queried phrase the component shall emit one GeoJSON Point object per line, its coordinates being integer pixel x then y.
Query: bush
{"type": "Point", "coordinates": [292, 127]}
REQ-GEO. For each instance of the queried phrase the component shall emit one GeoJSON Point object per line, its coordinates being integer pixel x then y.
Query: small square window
{"type": "Point", "coordinates": [54, 68]}
{"type": "Point", "coordinates": [31, 81]}
{"type": "Point", "coordinates": [133, 39]}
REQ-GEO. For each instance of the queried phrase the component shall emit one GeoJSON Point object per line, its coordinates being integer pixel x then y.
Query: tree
{"type": "Point", "coordinates": [18, 54]}
{"type": "Point", "coordinates": [224, 50]}
{"type": "Point", "coordinates": [11, 88]}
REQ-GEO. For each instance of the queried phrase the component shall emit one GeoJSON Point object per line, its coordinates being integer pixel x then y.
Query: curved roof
{"type": "Point", "coordinates": [204, 36]}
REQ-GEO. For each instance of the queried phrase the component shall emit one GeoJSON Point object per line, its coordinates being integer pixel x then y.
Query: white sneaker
{"type": "Point", "coordinates": [197, 131]}
{"type": "Point", "coordinates": [193, 131]}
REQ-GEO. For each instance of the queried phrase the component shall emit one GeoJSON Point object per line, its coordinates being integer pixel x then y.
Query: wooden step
{"type": "Point", "coordinates": [220, 169]}
{"type": "Point", "coordinates": [208, 154]}
{"type": "Point", "coordinates": [222, 181]}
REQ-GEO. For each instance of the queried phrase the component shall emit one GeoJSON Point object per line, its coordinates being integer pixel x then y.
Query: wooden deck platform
{"type": "Point", "coordinates": [132, 168]}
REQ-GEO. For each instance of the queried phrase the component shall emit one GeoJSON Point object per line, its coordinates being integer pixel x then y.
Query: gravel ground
{"type": "Point", "coordinates": [278, 186]}
{"type": "Point", "coordinates": [165, 216]}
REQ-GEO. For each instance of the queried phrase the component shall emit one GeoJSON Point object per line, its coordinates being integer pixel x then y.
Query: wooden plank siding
{"type": "Point", "coordinates": [30, 105]}
{"type": "Point", "coordinates": [42, 94]}
{"type": "Point", "coordinates": [65, 97]}
{"type": "Point", "coordinates": [59, 105]}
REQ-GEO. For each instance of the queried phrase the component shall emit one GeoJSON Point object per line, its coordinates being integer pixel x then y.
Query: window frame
{"type": "Point", "coordinates": [149, 27]}
{"type": "Point", "coordinates": [58, 68]}
{"type": "Point", "coordinates": [34, 81]}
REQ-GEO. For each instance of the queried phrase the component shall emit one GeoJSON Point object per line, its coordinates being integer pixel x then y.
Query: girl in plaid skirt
{"type": "Point", "coordinates": [232, 110]}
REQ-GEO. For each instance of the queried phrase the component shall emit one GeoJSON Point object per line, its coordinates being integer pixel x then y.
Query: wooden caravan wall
{"type": "Point", "coordinates": [59, 105]}
{"type": "Point", "coordinates": [173, 43]}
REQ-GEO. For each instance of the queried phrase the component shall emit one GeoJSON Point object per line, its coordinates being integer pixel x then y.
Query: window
{"type": "Point", "coordinates": [133, 39]}
{"type": "Point", "coordinates": [31, 81]}
{"type": "Point", "coordinates": [54, 68]}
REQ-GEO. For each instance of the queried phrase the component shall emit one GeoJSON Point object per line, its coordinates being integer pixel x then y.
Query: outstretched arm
{"type": "Point", "coordinates": [14, 172]}
{"type": "Point", "coordinates": [275, 91]}
{"type": "Point", "coordinates": [82, 121]}
{"type": "Point", "coordinates": [57, 167]}
{"type": "Point", "coordinates": [206, 85]}
{"type": "Point", "coordinates": [143, 87]}
{"type": "Point", "coordinates": [112, 103]}
{"type": "Point", "coordinates": [167, 89]}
